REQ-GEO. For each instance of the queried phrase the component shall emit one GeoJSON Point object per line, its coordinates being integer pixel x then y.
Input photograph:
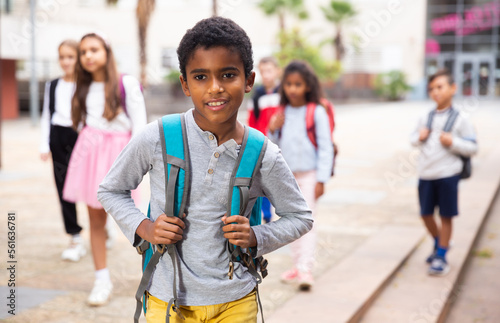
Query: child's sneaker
{"type": "Point", "coordinates": [439, 267]}
{"type": "Point", "coordinates": [75, 251]}
{"type": "Point", "coordinates": [431, 257]}
{"type": "Point", "coordinates": [100, 293]}
{"type": "Point", "coordinates": [306, 281]}
{"type": "Point", "coordinates": [434, 253]}
{"type": "Point", "coordinates": [290, 276]}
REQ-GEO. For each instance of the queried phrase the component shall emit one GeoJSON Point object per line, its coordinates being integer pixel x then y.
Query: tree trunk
{"type": "Point", "coordinates": [214, 8]}
{"type": "Point", "coordinates": [143, 13]}
{"type": "Point", "coordinates": [339, 45]}
{"type": "Point", "coordinates": [281, 17]}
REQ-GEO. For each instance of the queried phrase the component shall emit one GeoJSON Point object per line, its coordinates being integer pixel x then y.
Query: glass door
{"type": "Point", "coordinates": [466, 77]}
{"type": "Point", "coordinates": [474, 75]}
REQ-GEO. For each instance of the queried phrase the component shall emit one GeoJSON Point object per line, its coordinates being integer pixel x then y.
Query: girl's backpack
{"type": "Point", "coordinates": [311, 127]}
{"type": "Point", "coordinates": [175, 152]}
{"type": "Point", "coordinates": [123, 94]}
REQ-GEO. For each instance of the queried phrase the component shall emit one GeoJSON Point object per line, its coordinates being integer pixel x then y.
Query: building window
{"type": "Point", "coordinates": [169, 58]}
{"type": "Point", "coordinates": [497, 78]}
{"type": "Point", "coordinates": [6, 6]}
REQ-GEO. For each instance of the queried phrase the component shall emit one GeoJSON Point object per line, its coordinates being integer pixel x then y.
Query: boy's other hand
{"type": "Point", "coordinates": [44, 156]}
{"type": "Point", "coordinates": [424, 134]}
{"type": "Point", "coordinates": [238, 231]}
{"type": "Point", "coordinates": [276, 121]}
{"type": "Point", "coordinates": [165, 230]}
{"type": "Point", "coordinates": [319, 190]}
{"type": "Point", "coordinates": [446, 139]}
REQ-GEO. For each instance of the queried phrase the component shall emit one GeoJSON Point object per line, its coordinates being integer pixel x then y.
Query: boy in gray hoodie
{"type": "Point", "coordinates": [215, 59]}
{"type": "Point", "coordinates": [440, 165]}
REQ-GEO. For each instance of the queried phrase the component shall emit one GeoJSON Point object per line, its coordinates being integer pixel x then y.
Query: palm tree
{"type": "Point", "coordinates": [281, 7]}
{"type": "Point", "coordinates": [143, 13]}
{"type": "Point", "coordinates": [339, 12]}
{"type": "Point", "coordinates": [214, 8]}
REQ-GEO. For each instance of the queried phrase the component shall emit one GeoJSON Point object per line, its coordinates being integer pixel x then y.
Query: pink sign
{"type": "Point", "coordinates": [474, 20]}
{"type": "Point", "coordinates": [432, 47]}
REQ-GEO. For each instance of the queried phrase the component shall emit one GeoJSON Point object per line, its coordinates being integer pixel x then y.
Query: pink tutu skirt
{"type": "Point", "coordinates": [94, 153]}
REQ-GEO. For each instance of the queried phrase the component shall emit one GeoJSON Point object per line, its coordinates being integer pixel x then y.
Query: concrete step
{"type": "Point", "coordinates": [414, 296]}
{"type": "Point", "coordinates": [344, 292]}
{"type": "Point", "coordinates": [477, 299]}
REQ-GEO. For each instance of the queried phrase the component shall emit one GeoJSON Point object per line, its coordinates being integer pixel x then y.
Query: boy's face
{"type": "Point", "coordinates": [269, 73]}
{"type": "Point", "coordinates": [215, 81]}
{"type": "Point", "coordinates": [441, 91]}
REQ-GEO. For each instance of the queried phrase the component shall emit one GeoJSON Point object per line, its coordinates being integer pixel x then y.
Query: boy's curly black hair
{"type": "Point", "coordinates": [214, 32]}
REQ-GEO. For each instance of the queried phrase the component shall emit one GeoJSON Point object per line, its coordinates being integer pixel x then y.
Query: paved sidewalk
{"type": "Point", "coordinates": [375, 186]}
{"type": "Point", "coordinates": [477, 295]}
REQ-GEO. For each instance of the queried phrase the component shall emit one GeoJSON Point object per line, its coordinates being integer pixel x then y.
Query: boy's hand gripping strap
{"type": "Point", "coordinates": [247, 165]}
{"type": "Point", "coordinates": [172, 129]}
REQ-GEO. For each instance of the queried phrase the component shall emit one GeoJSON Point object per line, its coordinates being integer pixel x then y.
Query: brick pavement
{"type": "Point", "coordinates": [374, 187]}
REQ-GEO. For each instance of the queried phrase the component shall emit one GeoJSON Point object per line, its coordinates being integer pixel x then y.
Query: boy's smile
{"type": "Point", "coordinates": [215, 81]}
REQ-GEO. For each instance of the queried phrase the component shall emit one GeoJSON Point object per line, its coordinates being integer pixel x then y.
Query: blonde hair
{"type": "Point", "coordinates": [70, 43]}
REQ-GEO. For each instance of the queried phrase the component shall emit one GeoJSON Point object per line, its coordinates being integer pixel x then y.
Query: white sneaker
{"type": "Point", "coordinates": [439, 267]}
{"type": "Point", "coordinates": [100, 293]}
{"type": "Point", "coordinates": [75, 251]}
{"type": "Point", "coordinates": [110, 233]}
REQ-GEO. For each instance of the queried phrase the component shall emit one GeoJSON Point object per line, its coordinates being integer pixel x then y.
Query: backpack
{"type": "Point", "coordinates": [123, 94]}
{"type": "Point", "coordinates": [311, 126]}
{"type": "Point", "coordinates": [177, 174]}
{"type": "Point", "coordinates": [466, 161]}
{"type": "Point", "coordinates": [52, 96]}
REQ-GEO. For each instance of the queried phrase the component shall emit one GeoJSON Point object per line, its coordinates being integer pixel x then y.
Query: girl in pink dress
{"type": "Point", "coordinates": [107, 109]}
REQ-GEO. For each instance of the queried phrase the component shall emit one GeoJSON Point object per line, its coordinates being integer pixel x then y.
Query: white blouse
{"type": "Point", "coordinates": [136, 108]}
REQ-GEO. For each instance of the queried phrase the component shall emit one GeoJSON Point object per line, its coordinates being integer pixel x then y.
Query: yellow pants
{"type": "Point", "coordinates": [243, 310]}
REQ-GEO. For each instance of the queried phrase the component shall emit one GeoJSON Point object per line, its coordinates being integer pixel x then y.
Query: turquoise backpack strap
{"type": "Point", "coordinates": [247, 165]}
{"type": "Point", "coordinates": [175, 154]}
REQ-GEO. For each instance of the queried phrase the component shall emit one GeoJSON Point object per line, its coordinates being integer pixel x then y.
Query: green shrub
{"type": "Point", "coordinates": [391, 85]}
{"type": "Point", "coordinates": [295, 46]}
{"type": "Point", "coordinates": [173, 77]}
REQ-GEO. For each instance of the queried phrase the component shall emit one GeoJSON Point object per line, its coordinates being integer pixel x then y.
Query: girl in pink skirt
{"type": "Point", "coordinates": [108, 110]}
{"type": "Point", "coordinates": [311, 166]}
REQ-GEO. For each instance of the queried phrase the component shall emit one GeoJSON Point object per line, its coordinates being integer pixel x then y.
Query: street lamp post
{"type": "Point", "coordinates": [34, 108]}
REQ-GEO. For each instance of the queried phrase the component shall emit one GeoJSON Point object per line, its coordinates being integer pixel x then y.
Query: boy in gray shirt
{"type": "Point", "coordinates": [215, 59]}
{"type": "Point", "coordinates": [440, 165]}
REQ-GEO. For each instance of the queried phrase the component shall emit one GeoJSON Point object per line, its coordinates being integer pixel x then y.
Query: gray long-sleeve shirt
{"type": "Point", "coordinates": [203, 264]}
{"type": "Point", "coordinates": [437, 161]}
{"type": "Point", "coordinates": [298, 150]}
